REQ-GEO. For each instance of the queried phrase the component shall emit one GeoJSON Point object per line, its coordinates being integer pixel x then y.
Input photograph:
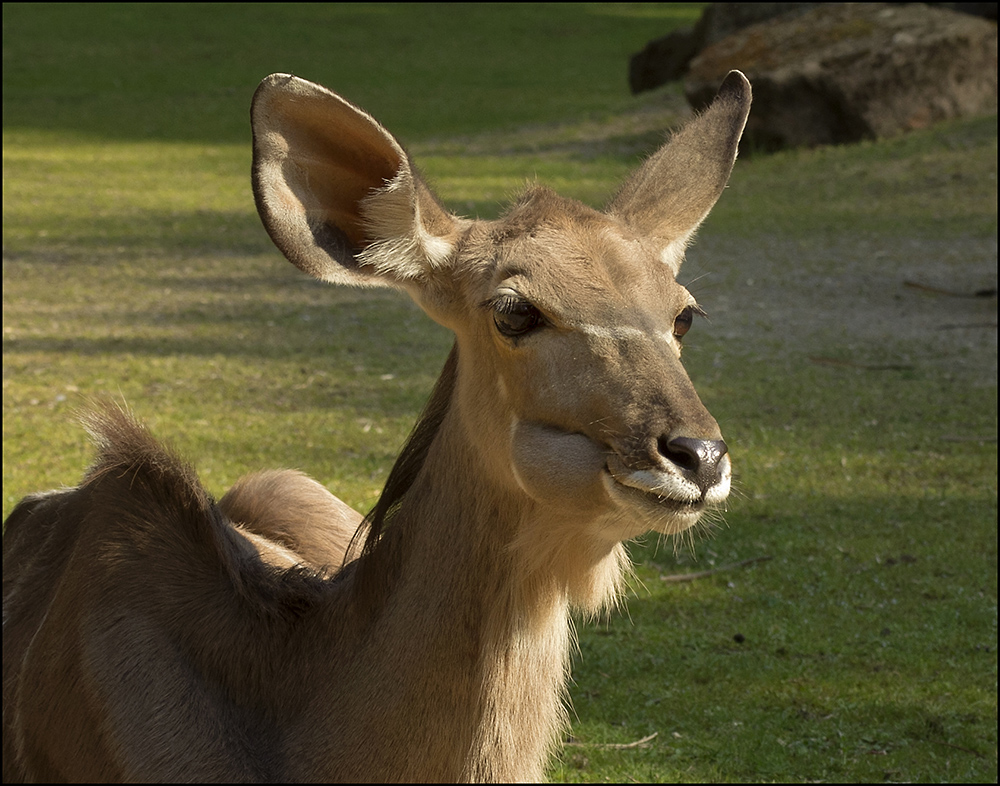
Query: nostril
{"type": "Point", "coordinates": [679, 452]}
{"type": "Point", "coordinates": [699, 457]}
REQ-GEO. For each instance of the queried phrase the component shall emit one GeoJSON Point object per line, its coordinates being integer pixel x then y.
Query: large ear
{"type": "Point", "coordinates": [337, 193]}
{"type": "Point", "coordinates": [674, 190]}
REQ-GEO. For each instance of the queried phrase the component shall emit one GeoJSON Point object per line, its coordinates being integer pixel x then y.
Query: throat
{"type": "Point", "coordinates": [497, 622]}
{"type": "Point", "coordinates": [523, 699]}
{"type": "Point", "coordinates": [478, 582]}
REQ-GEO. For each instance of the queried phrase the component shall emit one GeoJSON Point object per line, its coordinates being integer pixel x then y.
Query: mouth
{"type": "Point", "coordinates": [668, 493]}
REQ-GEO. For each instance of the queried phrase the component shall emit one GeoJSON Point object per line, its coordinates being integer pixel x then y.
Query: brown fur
{"type": "Point", "coordinates": [292, 514]}
{"type": "Point", "coordinates": [153, 634]}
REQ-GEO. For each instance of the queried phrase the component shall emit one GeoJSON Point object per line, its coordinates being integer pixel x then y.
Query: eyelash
{"type": "Point", "coordinates": [686, 318]}
{"type": "Point", "coordinates": [514, 317]}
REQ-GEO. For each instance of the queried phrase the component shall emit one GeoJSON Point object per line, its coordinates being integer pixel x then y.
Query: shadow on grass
{"type": "Point", "coordinates": [311, 333]}
{"type": "Point", "coordinates": [63, 239]}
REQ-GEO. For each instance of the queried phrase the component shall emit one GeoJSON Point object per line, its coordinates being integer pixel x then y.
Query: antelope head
{"type": "Point", "coordinates": [569, 321]}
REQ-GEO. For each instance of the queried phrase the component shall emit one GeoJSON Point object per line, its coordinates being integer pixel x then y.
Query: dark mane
{"type": "Point", "coordinates": [412, 457]}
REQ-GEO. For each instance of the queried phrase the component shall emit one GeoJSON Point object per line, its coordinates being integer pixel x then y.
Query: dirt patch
{"type": "Point", "coordinates": [868, 302]}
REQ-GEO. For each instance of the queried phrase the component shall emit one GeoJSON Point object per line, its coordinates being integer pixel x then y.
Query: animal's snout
{"type": "Point", "coordinates": [698, 459]}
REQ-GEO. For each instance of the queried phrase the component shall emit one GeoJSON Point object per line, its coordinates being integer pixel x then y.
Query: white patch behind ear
{"type": "Point", "coordinates": [402, 246]}
{"type": "Point", "coordinates": [672, 254]}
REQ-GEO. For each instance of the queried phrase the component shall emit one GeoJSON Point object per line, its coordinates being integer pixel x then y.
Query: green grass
{"type": "Point", "coordinates": [424, 70]}
{"type": "Point", "coordinates": [134, 265]}
{"type": "Point", "coordinates": [867, 644]}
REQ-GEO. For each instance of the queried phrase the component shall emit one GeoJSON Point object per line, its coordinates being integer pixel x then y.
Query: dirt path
{"type": "Point", "coordinates": [869, 302]}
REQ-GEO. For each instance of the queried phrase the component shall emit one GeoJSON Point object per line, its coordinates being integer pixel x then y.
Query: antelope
{"type": "Point", "coordinates": [151, 633]}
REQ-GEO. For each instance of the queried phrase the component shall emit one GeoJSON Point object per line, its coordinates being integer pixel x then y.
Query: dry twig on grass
{"type": "Point", "coordinates": [703, 573]}
{"type": "Point", "coordinates": [613, 745]}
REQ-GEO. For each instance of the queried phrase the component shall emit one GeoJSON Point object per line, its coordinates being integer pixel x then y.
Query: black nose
{"type": "Point", "coordinates": [698, 458]}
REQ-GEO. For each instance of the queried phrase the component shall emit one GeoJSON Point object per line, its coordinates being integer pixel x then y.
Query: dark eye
{"type": "Point", "coordinates": [515, 318]}
{"type": "Point", "coordinates": [682, 323]}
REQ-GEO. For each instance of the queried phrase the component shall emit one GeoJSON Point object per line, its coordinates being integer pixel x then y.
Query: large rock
{"type": "Point", "coordinates": [849, 71]}
{"type": "Point", "coordinates": [666, 59]}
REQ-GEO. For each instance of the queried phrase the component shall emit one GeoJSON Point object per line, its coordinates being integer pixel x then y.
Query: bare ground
{"type": "Point", "coordinates": [866, 302]}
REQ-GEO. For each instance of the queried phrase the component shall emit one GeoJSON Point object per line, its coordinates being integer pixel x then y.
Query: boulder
{"type": "Point", "coordinates": [666, 59]}
{"type": "Point", "coordinates": [842, 72]}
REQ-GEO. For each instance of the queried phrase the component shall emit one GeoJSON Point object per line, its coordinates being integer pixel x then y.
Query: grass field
{"type": "Point", "coordinates": [848, 359]}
